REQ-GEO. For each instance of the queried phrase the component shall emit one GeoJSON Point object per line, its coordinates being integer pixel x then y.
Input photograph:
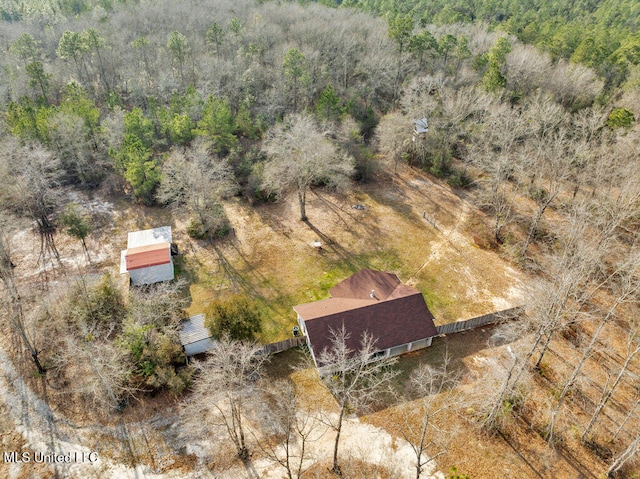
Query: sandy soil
{"type": "Point", "coordinates": [411, 225]}
{"type": "Point", "coordinates": [30, 426]}
{"type": "Point", "coordinates": [270, 254]}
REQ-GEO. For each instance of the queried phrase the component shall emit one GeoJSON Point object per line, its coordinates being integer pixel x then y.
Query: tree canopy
{"type": "Point", "coordinates": [300, 156]}
{"type": "Point", "coordinates": [236, 317]}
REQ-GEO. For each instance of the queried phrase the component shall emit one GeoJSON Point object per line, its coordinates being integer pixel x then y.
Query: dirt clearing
{"type": "Point", "coordinates": [407, 224]}
{"type": "Point", "coordinates": [270, 253]}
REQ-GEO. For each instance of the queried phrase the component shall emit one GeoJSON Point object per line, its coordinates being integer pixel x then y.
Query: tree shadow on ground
{"type": "Point", "coordinates": [250, 469]}
{"type": "Point", "coordinates": [338, 258]}
{"type": "Point", "coordinates": [521, 456]}
{"type": "Point", "coordinates": [331, 246]}
{"type": "Point", "coordinates": [237, 277]}
{"type": "Point", "coordinates": [528, 450]}
{"type": "Point", "coordinates": [353, 215]}
{"type": "Point", "coordinates": [391, 195]}
{"type": "Point", "coordinates": [52, 429]}
{"type": "Point", "coordinates": [245, 278]}
{"type": "Point", "coordinates": [574, 462]}
{"type": "Point", "coordinates": [456, 347]}
{"type": "Point", "coordinates": [282, 364]}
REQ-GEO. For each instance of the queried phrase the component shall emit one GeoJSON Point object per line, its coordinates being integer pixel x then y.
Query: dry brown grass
{"type": "Point", "coordinates": [520, 452]}
{"type": "Point", "coordinates": [270, 255]}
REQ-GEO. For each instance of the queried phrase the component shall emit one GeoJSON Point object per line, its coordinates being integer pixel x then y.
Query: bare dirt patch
{"type": "Point", "coordinates": [270, 256]}
{"type": "Point", "coordinates": [521, 452]}
{"type": "Point", "coordinates": [270, 253]}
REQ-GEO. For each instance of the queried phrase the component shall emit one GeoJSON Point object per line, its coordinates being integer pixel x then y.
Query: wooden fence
{"type": "Point", "coordinates": [473, 323]}
{"type": "Point", "coordinates": [283, 345]}
{"type": "Point", "coordinates": [450, 328]}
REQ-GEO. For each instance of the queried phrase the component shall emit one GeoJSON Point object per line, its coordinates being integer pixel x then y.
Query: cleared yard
{"type": "Point", "coordinates": [270, 256]}
{"type": "Point", "coordinates": [270, 253]}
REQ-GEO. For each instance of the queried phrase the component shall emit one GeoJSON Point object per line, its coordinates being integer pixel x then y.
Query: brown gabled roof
{"type": "Point", "coordinates": [360, 285]}
{"type": "Point", "coordinates": [396, 315]}
{"type": "Point", "coordinates": [147, 256]}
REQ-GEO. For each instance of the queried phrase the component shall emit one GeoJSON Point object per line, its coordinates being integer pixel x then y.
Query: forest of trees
{"type": "Point", "coordinates": [532, 117]}
{"type": "Point", "coordinates": [599, 34]}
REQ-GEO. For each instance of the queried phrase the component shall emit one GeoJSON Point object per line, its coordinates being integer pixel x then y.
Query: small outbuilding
{"type": "Point", "coordinates": [148, 257]}
{"type": "Point", "coordinates": [375, 302]}
{"type": "Point", "coordinates": [195, 336]}
{"type": "Point", "coordinates": [420, 127]}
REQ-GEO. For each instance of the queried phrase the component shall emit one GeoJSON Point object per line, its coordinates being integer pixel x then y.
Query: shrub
{"type": "Point", "coordinates": [195, 229]}
{"type": "Point", "coordinates": [459, 179]}
{"type": "Point", "coordinates": [620, 118]}
{"type": "Point", "coordinates": [98, 307]}
{"type": "Point", "coordinates": [454, 474]}
{"type": "Point", "coordinates": [237, 316]}
{"type": "Point", "coordinates": [214, 225]}
{"type": "Point", "coordinates": [537, 194]}
{"type": "Point", "coordinates": [154, 354]}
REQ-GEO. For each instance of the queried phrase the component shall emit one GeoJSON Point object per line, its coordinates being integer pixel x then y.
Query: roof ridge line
{"type": "Point", "coordinates": [372, 303]}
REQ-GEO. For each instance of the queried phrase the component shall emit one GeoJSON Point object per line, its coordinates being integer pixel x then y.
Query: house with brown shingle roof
{"type": "Point", "coordinates": [375, 302]}
{"type": "Point", "coordinates": [148, 257]}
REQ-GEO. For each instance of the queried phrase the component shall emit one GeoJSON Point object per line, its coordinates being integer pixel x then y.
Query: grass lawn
{"type": "Point", "coordinates": [270, 256]}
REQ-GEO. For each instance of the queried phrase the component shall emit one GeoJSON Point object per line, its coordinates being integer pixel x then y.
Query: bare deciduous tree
{"type": "Point", "coordinates": [527, 69]}
{"type": "Point", "coordinates": [150, 336]}
{"type": "Point", "coordinates": [32, 190]}
{"type": "Point", "coordinates": [450, 120]}
{"type": "Point", "coordinates": [574, 85]}
{"type": "Point", "coordinates": [626, 285]}
{"type": "Point", "coordinates": [420, 422]}
{"type": "Point", "coordinates": [626, 455]}
{"type": "Point", "coordinates": [224, 389]}
{"type": "Point", "coordinates": [495, 150]}
{"type": "Point", "coordinates": [505, 385]}
{"type": "Point", "coordinates": [631, 412]}
{"type": "Point", "coordinates": [291, 428]}
{"type": "Point", "coordinates": [556, 303]}
{"type": "Point", "coordinates": [101, 371]}
{"type": "Point", "coordinates": [12, 298]}
{"type": "Point", "coordinates": [82, 321]}
{"type": "Point", "coordinates": [159, 305]}
{"type": "Point", "coordinates": [553, 306]}
{"type": "Point", "coordinates": [614, 214]}
{"type": "Point", "coordinates": [393, 135]}
{"type": "Point", "coordinates": [550, 166]}
{"type": "Point", "coordinates": [301, 155]}
{"type": "Point", "coordinates": [633, 348]}
{"type": "Point", "coordinates": [354, 378]}
{"type": "Point", "coordinates": [194, 180]}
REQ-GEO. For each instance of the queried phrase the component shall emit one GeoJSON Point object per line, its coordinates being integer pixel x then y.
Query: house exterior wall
{"type": "Point", "coordinates": [303, 331]}
{"type": "Point", "coordinates": [395, 351]}
{"type": "Point", "coordinates": [405, 348]}
{"type": "Point", "coordinates": [389, 352]}
{"type": "Point", "coordinates": [153, 274]}
{"type": "Point", "coordinates": [198, 347]}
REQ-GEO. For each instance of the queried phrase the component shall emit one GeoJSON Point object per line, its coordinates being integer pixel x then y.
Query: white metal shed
{"type": "Point", "coordinates": [194, 336]}
{"type": "Point", "coordinates": [148, 257]}
{"type": "Point", "coordinates": [161, 234]}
